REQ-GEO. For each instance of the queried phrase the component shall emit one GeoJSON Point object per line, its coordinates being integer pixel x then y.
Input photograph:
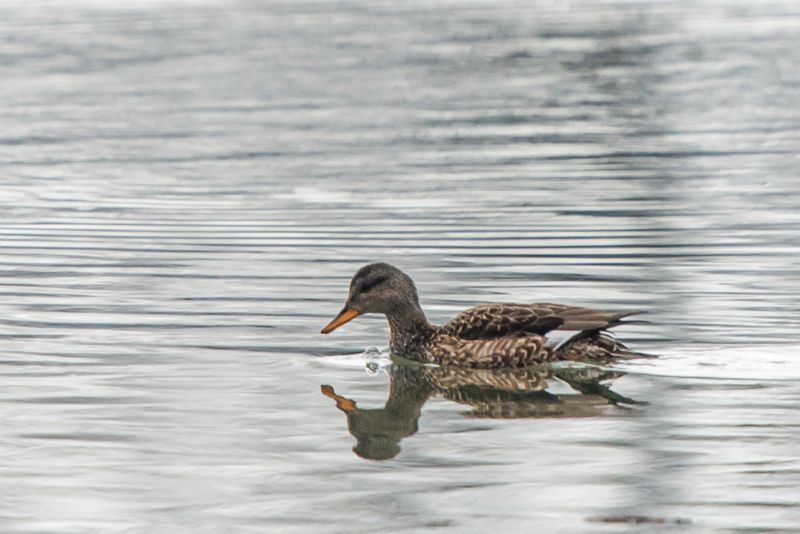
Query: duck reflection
{"type": "Point", "coordinates": [489, 393]}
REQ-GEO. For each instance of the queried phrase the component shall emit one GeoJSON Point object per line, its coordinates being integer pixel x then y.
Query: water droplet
{"type": "Point", "coordinates": [373, 368]}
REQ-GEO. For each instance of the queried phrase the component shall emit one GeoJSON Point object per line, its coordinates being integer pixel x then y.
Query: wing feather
{"type": "Point", "coordinates": [489, 321]}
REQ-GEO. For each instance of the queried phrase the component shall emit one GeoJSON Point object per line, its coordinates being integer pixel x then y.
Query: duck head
{"type": "Point", "coordinates": [377, 288]}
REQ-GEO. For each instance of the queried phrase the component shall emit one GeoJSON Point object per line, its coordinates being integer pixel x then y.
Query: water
{"type": "Point", "coordinates": [188, 186]}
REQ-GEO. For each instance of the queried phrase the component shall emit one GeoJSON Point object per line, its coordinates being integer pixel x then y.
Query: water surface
{"type": "Point", "coordinates": [187, 188]}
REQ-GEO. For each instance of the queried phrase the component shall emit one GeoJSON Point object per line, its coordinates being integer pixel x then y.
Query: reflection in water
{"type": "Point", "coordinates": [490, 393]}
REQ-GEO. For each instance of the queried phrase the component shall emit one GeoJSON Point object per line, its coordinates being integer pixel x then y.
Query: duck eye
{"type": "Point", "coordinates": [369, 284]}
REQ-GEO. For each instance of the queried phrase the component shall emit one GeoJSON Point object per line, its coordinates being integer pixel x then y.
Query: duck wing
{"type": "Point", "coordinates": [489, 321]}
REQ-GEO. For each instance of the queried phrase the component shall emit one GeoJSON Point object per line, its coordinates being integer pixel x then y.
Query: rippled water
{"type": "Point", "coordinates": [187, 188]}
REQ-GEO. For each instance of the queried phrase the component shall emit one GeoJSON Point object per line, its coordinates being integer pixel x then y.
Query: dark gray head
{"type": "Point", "coordinates": [381, 288]}
{"type": "Point", "coordinates": [376, 288]}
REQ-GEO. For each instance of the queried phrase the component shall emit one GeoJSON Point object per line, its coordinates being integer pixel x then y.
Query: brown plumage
{"type": "Point", "coordinates": [486, 336]}
{"type": "Point", "coordinates": [497, 320]}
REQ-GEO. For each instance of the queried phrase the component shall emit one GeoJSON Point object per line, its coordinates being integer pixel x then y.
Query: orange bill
{"type": "Point", "coordinates": [344, 317]}
{"type": "Point", "coordinates": [343, 403]}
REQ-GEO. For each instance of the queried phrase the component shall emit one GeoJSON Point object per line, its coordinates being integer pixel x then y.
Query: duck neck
{"type": "Point", "coordinates": [409, 329]}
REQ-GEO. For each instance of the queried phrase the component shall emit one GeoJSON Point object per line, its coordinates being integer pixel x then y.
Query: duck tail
{"type": "Point", "coordinates": [597, 346]}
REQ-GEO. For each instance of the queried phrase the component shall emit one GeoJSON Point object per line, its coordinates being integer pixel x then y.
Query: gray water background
{"type": "Point", "coordinates": [187, 188]}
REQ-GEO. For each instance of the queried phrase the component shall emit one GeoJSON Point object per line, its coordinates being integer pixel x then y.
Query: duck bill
{"type": "Point", "coordinates": [343, 403]}
{"type": "Point", "coordinates": [345, 316]}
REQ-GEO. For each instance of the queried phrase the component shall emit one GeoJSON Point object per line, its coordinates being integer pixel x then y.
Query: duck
{"type": "Point", "coordinates": [487, 336]}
